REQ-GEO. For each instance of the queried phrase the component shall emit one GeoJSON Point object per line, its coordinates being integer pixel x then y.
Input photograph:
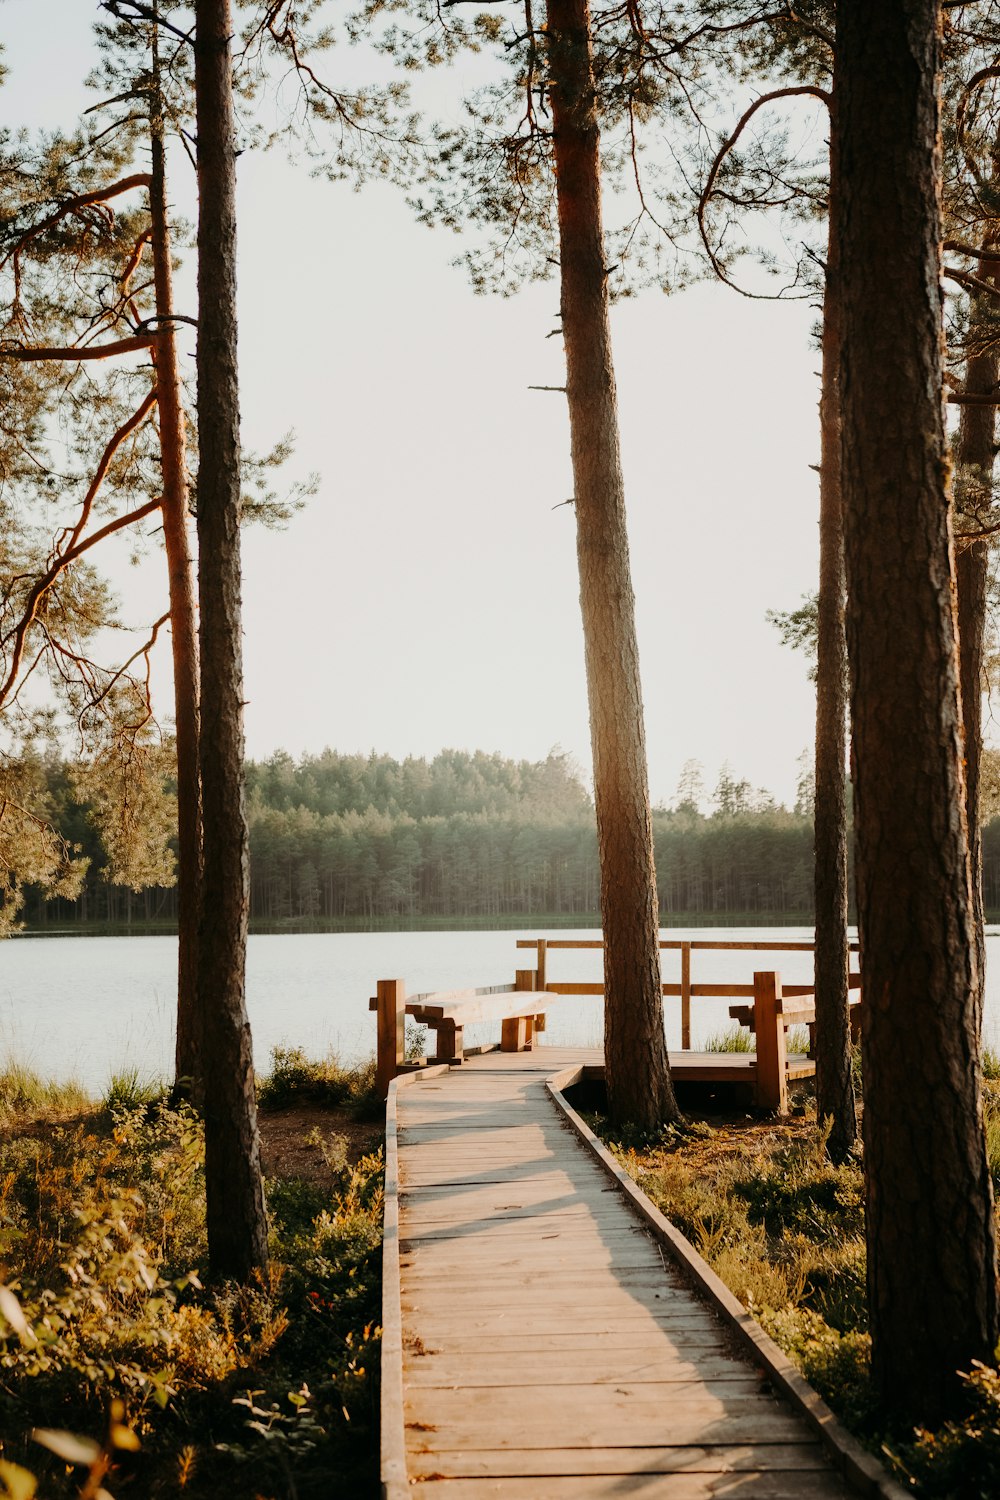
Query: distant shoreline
{"type": "Point", "coordinates": [518, 921]}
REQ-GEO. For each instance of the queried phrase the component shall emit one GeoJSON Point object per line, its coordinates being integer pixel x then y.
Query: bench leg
{"type": "Point", "coordinates": [449, 1044]}
{"type": "Point", "coordinates": [517, 1034]}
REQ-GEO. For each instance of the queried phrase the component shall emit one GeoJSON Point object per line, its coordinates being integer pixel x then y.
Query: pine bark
{"type": "Point", "coordinates": [183, 618]}
{"type": "Point", "coordinates": [237, 1224]}
{"type": "Point", "coordinates": [929, 1201]}
{"type": "Point", "coordinates": [639, 1086]}
{"type": "Point", "coordinates": [975, 455]}
{"type": "Point", "coordinates": [834, 1082]}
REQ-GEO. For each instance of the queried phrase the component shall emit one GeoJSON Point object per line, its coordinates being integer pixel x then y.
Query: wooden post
{"type": "Point", "coordinates": [450, 1044]}
{"type": "Point", "coordinates": [540, 980]}
{"type": "Point", "coordinates": [517, 1032]}
{"type": "Point", "coordinates": [391, 996]}
{"type": "Point", "coordinates": [772, 1078]}
{"type": "Point", "coordinates": [686, 996]}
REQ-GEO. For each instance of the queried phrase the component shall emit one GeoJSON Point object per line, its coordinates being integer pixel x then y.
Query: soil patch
{"type": "Point", "coordinates": [310, 1140]}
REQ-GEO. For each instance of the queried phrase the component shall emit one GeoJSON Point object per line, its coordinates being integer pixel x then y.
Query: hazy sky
{"type": "Point", "coordinates": [427, 597]}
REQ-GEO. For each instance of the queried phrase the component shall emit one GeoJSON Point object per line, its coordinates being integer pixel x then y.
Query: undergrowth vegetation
{"type": "Point", "coordinates": [265, 1391]}
{"type": "Point", "coordinates": [296, 1079]}
{"type": "Point", "coordinates": [784, 1229]}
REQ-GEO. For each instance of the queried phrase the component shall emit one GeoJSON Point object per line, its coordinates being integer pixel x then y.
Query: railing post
{"type": "Point", "coordinates": [391, 997]}
{"type": "Point", "coordinates": [517, 1032]}
{"type": "Point", "coordinates": [686, 996]}
{"type": "Point", "coordinates": [769, 1024]}
{"type": "Point", "coordinates": [540, 978]}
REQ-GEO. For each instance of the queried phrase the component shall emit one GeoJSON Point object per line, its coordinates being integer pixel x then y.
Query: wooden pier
{"type": "Point", "coordinates": [547, 1337]}
{"type": "Point", "coordinates": [767, 1007]}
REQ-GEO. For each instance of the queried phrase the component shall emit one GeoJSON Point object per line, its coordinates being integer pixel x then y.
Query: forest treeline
{"type": "Point", "coordinates": [366, 839]}
{"type": "Point", "coordinates": [356, 840]}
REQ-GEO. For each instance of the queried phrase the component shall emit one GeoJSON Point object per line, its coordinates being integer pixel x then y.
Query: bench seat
{"type": "Point", "coordinates": [447, 1013]}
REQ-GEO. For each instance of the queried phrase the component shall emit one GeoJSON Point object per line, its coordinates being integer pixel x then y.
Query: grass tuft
{"type": "Point", "coordinates": [24, 1095]}
{"type": "Point", "coordinates": [128, 1091]}
{"type": "Point", "coordinates": [737, 1038]}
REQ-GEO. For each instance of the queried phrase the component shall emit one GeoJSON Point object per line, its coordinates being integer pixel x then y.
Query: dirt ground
{"type": "Point", "coordinates": [299, 1141]}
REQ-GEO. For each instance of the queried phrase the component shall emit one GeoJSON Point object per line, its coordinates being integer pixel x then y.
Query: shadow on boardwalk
{"type": "Point", "coordinates": [549, 1349]}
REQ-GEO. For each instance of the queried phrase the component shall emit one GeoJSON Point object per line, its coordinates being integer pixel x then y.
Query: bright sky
{"type": "Point", "coordinates": [427, 597]}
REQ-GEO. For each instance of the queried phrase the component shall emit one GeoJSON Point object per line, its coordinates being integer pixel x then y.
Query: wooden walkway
{"type": "Point", "coordinates": [548, 1346]}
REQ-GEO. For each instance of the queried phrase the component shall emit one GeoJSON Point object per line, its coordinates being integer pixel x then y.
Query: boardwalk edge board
{"type": "Point", "coordinates": [860, 1468]}
{"type": "Point", "coordinates": [395, 1483]}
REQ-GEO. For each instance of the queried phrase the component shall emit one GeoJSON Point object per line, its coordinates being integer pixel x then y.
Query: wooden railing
{"type": "Point", "coordinates": [686, 989]}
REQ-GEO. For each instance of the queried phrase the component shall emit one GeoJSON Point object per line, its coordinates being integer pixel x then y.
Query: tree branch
{"type": "Point", "coordinates": [48, 578]}
{"type": "Point", "coordinates": [809, 90]}
{"type": "Point", "coordinates": [96, 351]}
{"type": "Point", "coordinates": [974, 283]}
{"type": "Point", "coordinates": [146, 13]}
{"type": "Point", "coordinates": [125, 430]}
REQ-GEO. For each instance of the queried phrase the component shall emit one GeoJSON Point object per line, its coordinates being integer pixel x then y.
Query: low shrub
{"type": "Point", "coordinates": [225, 1388]}
{"type": "Point", "coordinates": [961, 1460]}
{"type": "Point", "coordinates": [297, 1079]}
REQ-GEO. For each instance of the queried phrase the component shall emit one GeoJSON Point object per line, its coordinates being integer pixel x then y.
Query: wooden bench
{"type": "Point", "coordinates": [770, 1016]}
{"type": "Point", "coordinates": [520, 1008]}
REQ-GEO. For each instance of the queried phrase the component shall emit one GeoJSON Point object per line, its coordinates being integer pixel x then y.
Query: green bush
{"type": "Point", "coordinates": [961, 1461]}
{"type": "Point", "coordinates": [297, 1079]}
{"type": "Point", "coordinates": [101, 1240]}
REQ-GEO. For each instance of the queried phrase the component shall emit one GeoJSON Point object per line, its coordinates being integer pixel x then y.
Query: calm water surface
{"type": "Point", "coordinates": [86, 1007]}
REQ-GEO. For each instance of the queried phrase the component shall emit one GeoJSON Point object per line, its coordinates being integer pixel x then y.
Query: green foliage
{"type": "Point", "coordinates": [368, 841]}
{"type": "Point", "coordinates": [799, 628]}
{"type": "Point", "coordinates": [226, 1389]}
{"type": "Point", "coordinates": [774, 1218]}
{"type": "Point", "coordinates": [835, 1364]}
{"type": "Point", "coordinates": [297, 1079]}
{"type": "Point", "coordinates": [961, 1461]}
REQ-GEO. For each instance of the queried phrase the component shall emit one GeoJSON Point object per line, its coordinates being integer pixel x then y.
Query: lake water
{"type": "Point", "coordinates": [86, 1007]}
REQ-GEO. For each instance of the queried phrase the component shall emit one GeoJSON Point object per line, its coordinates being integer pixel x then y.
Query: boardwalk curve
{"type": "Point", "coordinates": [539, 1342]}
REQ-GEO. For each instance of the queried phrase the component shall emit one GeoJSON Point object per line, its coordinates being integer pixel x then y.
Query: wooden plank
{"type": "Point", "coordinates": [479, 1008]}
{"type": "Point", "coordinates": [440, 1325]}
{"type": "Point", "coordinates": [439, 1421]}
{"type": "Point", "coordinates": [807, 1485]}
{"type": "Point", "coordinates": [393, 1441]}
{"type": "Point", "coordinates": [629, 1288]}
{"type": "Point", "coordinates": [635, 1366]}
{"type": "Point", "coordinates": [630, 1336]}
{"type": "Point", "coordinates": [718, 947]}
{"type": "Point", "coordinates": [800, 1458]}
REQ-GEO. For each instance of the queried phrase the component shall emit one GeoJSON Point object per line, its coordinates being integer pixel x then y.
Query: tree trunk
{"type": "Point", "coordinates": [834, 1083]}
{"type": "Point", "coordinates": [929, 1201]}
{"type": "Point", "coordinates": [237, 1224]}
{"type": "Point", "coordinates": [638, 1075]}
{"type": "Point", "coordinates": [183, 623]}
{"type": "Point", "coordinates": [975, 457]}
